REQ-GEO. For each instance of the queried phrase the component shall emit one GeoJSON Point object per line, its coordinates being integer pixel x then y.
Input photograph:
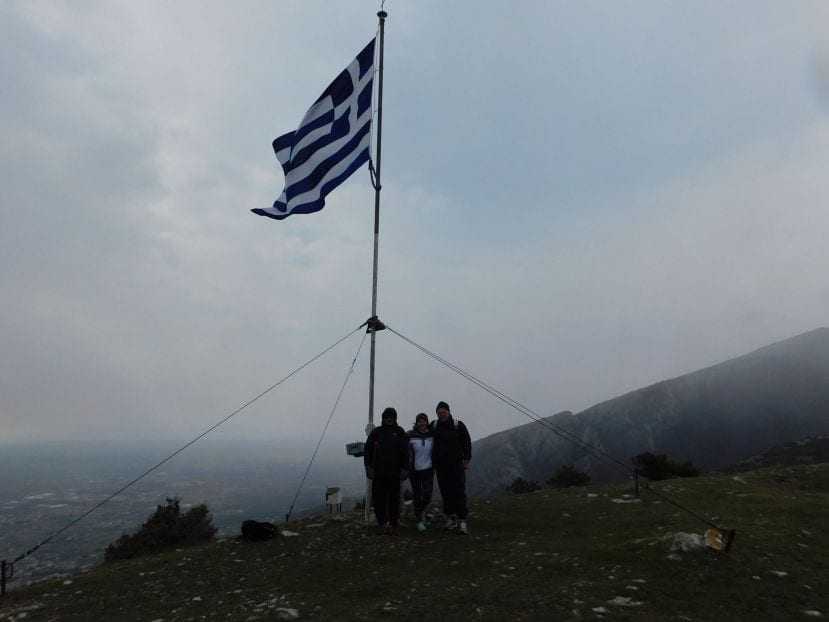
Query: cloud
{"type": "Point", "coordinates": [567, 229]}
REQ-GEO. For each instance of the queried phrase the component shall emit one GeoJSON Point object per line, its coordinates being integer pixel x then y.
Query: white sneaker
{"type": "Point", "coordinates": [421, 526]}
{"type": "Point", "coordinates": [451, 523]}
{"type": "Point", "coordinates": [462, 528]}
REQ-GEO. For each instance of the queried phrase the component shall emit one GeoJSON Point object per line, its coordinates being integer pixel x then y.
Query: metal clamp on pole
{"type": "Point", "coordinates": [373, 324]}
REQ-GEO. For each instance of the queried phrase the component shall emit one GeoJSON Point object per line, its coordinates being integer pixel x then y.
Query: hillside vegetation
{"type": "Point", "coordinates": [571, 554]}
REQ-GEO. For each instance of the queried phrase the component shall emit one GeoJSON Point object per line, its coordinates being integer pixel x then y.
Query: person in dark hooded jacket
{"type": "Point", "coordinates": [386, 461]}
{"type": "Point", "coordinates": [451, 454]}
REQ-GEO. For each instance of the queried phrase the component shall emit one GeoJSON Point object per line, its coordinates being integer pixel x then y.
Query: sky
{"type": "Point", "coordinates": [579, 199]}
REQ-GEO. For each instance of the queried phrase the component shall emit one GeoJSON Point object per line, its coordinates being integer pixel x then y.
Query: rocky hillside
{"type": "Point", "coordinates": [577, 554]}
{"type": "Point", "coordinates": [813, 450]}
{"type": "Point", "coordinates": [713, 417]}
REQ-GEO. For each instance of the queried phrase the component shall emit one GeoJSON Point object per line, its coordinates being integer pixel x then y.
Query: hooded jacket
{"type": "Point", "coordinates": [387, 451]}
{"type": "Point", "coordinates": [452, 443]}
{"type": "Point", "coordinates": [420, 448]}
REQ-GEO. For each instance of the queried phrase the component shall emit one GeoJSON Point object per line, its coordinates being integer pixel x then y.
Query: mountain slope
{"type": "Point", "coordinates": [714, 417]}
{"type": "Point", "coordinates": [576, 554]}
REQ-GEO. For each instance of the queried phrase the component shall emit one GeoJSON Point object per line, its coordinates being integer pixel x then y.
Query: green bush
{"type": "Point", "coordinates": [659, 466]}
{"type": "Point", "coordinates": [166, 528]}
{"type": "Point", "coordinates": [567, 475]}
{"type": "Point", "coordinates": [521, 486]}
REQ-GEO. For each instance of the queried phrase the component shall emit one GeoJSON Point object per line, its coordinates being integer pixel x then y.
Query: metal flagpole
{"type": "Point", "coordinates": [372, 327]}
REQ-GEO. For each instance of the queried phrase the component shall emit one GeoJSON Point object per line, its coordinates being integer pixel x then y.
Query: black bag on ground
{"type": "Point", "coordinates": [254, 531]}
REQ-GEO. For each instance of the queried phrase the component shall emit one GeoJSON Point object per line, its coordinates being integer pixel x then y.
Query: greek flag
{"type": "Point", "coordinates": [330, 144]}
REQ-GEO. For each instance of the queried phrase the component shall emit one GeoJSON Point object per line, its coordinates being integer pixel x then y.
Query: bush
{"type": "Point", "coordinates": [521, 486]}
{"type": "Point", "coordinates": [166, 528]}
{"type": "Point", "coordinates": [567, 475]}
{"type": "Point", "coordinates": [659, 466]}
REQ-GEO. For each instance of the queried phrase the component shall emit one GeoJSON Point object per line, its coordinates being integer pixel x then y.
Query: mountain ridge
{"type": "Point", "coordinates": [713, 416]}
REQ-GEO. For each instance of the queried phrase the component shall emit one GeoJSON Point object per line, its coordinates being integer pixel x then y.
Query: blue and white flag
{"type": "Point", "coordinates": [330, 144]}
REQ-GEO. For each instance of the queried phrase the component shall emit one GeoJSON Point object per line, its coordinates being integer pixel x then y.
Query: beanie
{"type": "Point", "coordinates": [423, 416]}
{"type": "Point", "coordinates": [442, 405]}
{"type": "Point", "coordinates": [389, 412]}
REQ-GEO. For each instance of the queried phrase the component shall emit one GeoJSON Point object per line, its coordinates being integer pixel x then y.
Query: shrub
{"type": "Point", "coordinates": [166, 528]}
{"type": "Point", "coordinates": [567, 475]}
{"type": "Point", "coordinates": [521, 486]}
{"type": "Point", "coordinates": [659, 466]}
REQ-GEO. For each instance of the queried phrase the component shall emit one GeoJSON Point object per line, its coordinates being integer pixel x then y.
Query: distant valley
{"type": "Point", "coordinates": [45, 486]}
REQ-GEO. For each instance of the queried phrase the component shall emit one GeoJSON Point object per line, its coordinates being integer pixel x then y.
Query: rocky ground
{"type": "Point", "coordinates": [579, 554]}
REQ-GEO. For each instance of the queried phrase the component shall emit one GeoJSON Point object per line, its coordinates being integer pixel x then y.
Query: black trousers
{"type": "Point", "coordinates": [422, 483]}
{"type": "Point", "coordinates": [452, 484]}
{"type": "Point", "coordinates": [385, 493]}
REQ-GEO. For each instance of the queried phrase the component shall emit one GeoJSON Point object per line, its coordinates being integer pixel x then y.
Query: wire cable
{"type": "Point", "coordinates": [325, 429]}
{"type": "Point", "coordinates": [538, 419]}
{"type": "Point", "coordinates": [515, 404]}
{"type": "Point", "coordinates": [183, 447]}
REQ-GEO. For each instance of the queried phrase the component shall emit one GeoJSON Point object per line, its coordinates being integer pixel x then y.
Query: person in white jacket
{"type": "Point", "coordinates": [422, 475]}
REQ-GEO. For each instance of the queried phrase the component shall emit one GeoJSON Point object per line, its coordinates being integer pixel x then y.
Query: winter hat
{"type": "Point", "coordinates": [442, 405]}
{"type": "Point", "coordinates": [390, 413]}
{"type": "Point", "coordinates": [423, 416]}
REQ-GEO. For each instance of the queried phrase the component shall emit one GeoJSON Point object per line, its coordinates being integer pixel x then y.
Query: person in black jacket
{"type": "Point", "coordinates": [386, 460]}
{"type": "Point", "coordinates": [451, 454]}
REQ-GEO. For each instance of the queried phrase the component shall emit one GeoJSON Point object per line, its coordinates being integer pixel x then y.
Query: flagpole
{"type": "Point", "coordinates": [382, 17]}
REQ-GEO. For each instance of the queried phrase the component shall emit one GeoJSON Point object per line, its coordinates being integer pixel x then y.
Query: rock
{"type": "Point", "coordinates": [286, 613]}
{"type": "Point", "coordinates": [813, 613]}
{"type": "Point", "coordinates": [625, 601]}
{"type": "Point", "coordinates": [687, 542]}
{"type": "Point", "coordinates": [779, 573]}
{"type": "Point", "coordinates": [288, 534]}
{"type": "Point", "coordinates": [255, 531]}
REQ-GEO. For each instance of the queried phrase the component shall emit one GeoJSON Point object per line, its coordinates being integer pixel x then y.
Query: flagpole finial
{"type": "Point", "coordinates": [382, 14]}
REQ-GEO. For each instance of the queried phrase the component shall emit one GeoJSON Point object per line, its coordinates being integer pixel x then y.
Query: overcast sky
{"type": "Point", "coordinates": [579, 199]}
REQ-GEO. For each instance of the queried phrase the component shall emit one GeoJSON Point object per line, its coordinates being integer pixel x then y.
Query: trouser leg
{"type": "Point", "coordinates": [460, 492]}
{"type": "Point", "coordinates": [422, 490]}
{"type": "Point", "coordinates": [415, 481]}
{"type": "Point", "coordinates": [428, 483]}
{"type": "Point", "coordinates": [393, 500]}
{"type": "Point", "coordinates": [446, 491]}
{"type": "Point", "coordinates": [378, 495]}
